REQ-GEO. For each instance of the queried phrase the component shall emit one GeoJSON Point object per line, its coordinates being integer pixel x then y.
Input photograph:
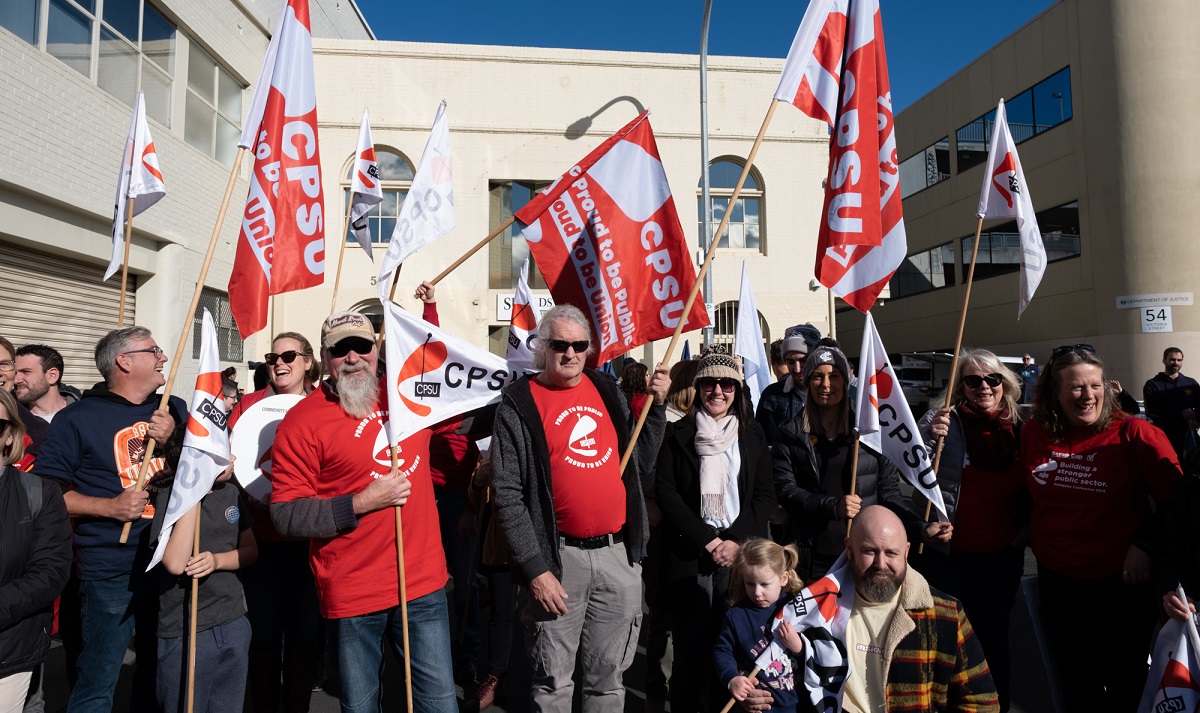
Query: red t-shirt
{"type": "Point", "coordinates": [585, 460]}
{"type": "Point", "coordinates": [984, 520]}
{"type": "Point", "coordinates": [322, 452]}
{"type": "Point", "coordinates": [1088, 507]}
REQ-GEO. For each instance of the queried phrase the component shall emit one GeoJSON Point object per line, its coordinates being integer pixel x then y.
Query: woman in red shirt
{"type": "Point", "coordinates": [1099, 481]}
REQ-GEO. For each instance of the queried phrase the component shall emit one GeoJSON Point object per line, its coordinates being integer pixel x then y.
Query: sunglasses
{"type": "Point", "coordinates": [361, 347]}
{"type": "Point", "coordinates": [1068, 348]}
{"type": "Point", "coordinates": [974, 381]}
{"type": "Point", "coordinates": [286, 357]}
{"type": "Point", "coordinates": [561, 346]}
{"type": "Point", "coordinates": [709, 385]}
{"type": "Point", "coordinates": [4, 424]}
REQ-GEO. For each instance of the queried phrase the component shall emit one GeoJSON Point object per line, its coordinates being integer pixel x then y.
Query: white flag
{"type": "Point", "coordinates": [1174, 680]}
{"type": "Point", "coordinates": [748, 342]}
{"type": "Point", "coordinates": [428, 210]}
{"type": "Point", "coordinates": [1006, 195]}
{"type": "Point", "coordinates": [522, 326]}
{"type": "Point", "coordinates": [140, 179]}
{"type": "Point", "coordinates": [366, 189]}
{"type": "Point", "coordinates": [205, 444]}
{"type": "Point", "coordinates": [433, 375]}
{"type": "Point", "coordinates": [886, 423]}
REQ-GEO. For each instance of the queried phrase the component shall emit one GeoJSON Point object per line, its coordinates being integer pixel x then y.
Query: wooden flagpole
{"type": "Point", "coordinates": [125, 262]}
{"type": "Point", "coordinates": [403, 588]}
{"type": "Point", "coordinates": [191, 687]}
{"type": "Point", "coordinates": [712, 250]}
{"type": "Point", "coordinates": [472, 251]}
{"type": "Point", "coordinates": [337, 280]}
{"type": "Point", "coordinates": [753, 680]}
{"type": "Point", "coordinates": [148, 453]}
{"type": "Point", "coordinates": [854, 479]}
{"type": "Point", "coordinates": [962, 323]}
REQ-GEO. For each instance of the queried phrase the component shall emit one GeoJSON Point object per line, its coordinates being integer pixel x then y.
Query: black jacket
{"type": "Point", "coordinates": [779, 403]}
{"type": "Point", "coordinates": [35, 561]}
{"type": "Point", "coordinates": [677, 492]}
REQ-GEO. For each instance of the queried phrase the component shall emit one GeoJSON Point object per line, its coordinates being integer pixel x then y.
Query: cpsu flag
{"type": "Point", "coordinates": [1174, 680]}
{"type": "Point", "coordinates": [523, 323]}
{"type": "Point", "coordinates": [140, 179]}
{"type": "Point", "coordinates": [836, 72]}
{"type": "Point", "coordinates": [607, 239]}
{"type": "Point", "coordinates": [205, 443]}
{"type": "Point", "coordinates": [281, 247]}
{"type": "Point", "coordinates": [433, 375]}
{"type": "Point", "coordinates": [1006, 195]}
{"type": "Point", "coordinates": [366, 189]}
{"type": "Point", "coordinates": [886, 423]}
{"type": "Point", "coordinates": [820, 612]}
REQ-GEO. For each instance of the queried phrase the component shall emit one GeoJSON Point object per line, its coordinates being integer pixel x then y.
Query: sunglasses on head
{"type": "Point", "coordinates": [561, 346]}
{"type": "Point", "coordinates": [1056, 352]}
{"type": "Point", "coordinates": [286, 357]}
{"type": "Point", "coordinates": [707, 385]}
{"type": "Point", "coordinates": [974, 381]}
{"type": "Point", "coordinates": [359, 346]}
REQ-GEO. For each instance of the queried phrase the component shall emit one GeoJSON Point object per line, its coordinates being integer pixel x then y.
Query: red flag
{"type": "Point", "coordinates": [282, 243]}
{"type": "Point", "coordinates": [607, 239]}
{"type": "Point", "coordinates": [836, 71]}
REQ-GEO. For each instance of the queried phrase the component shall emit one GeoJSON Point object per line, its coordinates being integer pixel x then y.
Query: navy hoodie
{"type": "Point", "coordinates": [746, 633]}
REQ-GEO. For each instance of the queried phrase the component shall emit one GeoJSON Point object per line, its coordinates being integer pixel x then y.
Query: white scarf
{"type": "Point", "coordinates": [713, 438]}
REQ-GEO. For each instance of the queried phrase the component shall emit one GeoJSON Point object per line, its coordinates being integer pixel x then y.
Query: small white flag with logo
{"type": "Point", "coordinates": [1006, 195]}
{"type": "Point", "coordinates": [140, 179]}
{"type": "Point", "coordinates": [885, 421]}
{"type": "Point", "coordinates": [523, 322]}
{"type": "Point", "coordinates": [1174, 680]}
{"type": "Point", "coordinates": [366, 190]}
{"type": "Point", "coordinates": [748, 342]}
{"type": "Point", "coordinates": [428, 210]}
{"type": "Point", "coordinates": [205, 443]}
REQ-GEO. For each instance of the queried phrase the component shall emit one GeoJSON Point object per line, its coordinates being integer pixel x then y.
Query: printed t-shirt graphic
{"type": "Point", "coordinates": [129, 444]}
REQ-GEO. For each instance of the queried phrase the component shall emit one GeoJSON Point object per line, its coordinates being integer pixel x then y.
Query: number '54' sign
{"type": "Point", "coordinates": [1156, 319]}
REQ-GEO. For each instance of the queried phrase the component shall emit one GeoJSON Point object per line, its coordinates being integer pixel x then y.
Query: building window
{"type": "Point", "coordinates": [508, 250]}
{"type": "Point", "coordinates": [396, 175]}
{"type": "Point", "coordinates": [725, 317]}
{"type": "Point", "coordinates": [20, 18]}
{"type": "Point", "coordinates": [745, 228]}
{"type": "Point", "coordinates": [927, 270]}
{"type": "Point", "coordinates": [1039, 108]}
{"type": "Point", "coordinates": [926, 168]}
{"type": "Point", "coordinates": [213, 112]}
{"type": "Point", "coordinates": [229, 342]}
{"type": "Point", "coordinates": [1000, 247]}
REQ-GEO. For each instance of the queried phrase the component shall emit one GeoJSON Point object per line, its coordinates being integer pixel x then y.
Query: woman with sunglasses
{"type": "Point", "coordinates": [713, 485]}
{"type": "Point", "coordinates": [983, 486]}
{"type": "Point", "coordinates": [292, 368]}
{"type": "Point", "coordinates": [1100, 481]}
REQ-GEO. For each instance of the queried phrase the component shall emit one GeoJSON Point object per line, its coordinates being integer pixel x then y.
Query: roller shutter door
{"type": "Point", "coordinates": [60, 302]}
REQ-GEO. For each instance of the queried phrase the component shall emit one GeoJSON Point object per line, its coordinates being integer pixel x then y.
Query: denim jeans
{"type": "Point", "coordinates": [110, 610]}
{"type": "Point", "coordinates": [357, 646]}
{"type": "Point", "coordinates": [220, 669]}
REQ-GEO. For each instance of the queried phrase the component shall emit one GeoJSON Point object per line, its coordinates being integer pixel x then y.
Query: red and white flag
{"type": "Point", "coordinates": [1174, 680]}
{"type": "Point", "coordinates": [607, 239]}
{"type": "Point", "coordinates": [522, 325]}
{"type": "Point", "coordinates": [838, 50]}
{"type": "Point", "coordinates": [205, 443]}
{"type": "Point", "coordinates": [885, 421]}
{"type": "Point", "coordinates": [140, 179]}
{"type": "Point", "coordinates": [428, 210]}
{"type": "Point", "coordinates": [1006, 195]}
{"type": "Point", "coordinates": [366, 188]}
{"type": "Point", "coordinates": [281, 247]}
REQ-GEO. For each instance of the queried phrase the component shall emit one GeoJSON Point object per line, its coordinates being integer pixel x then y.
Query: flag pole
{"type": "Point", "coordinates": [403, 588]}
{"type": "Point", "coordinates": [691, 299]}
{"type": "Point", "coordinates": [962, 323]}
{"type": "Point", "coordinates": [148, 453]}
{"type": "Point", "coordinates": [753, 680]}
{"type": "Point", "coordinates": [472, 251]}
{"type": "Point", "coordinates": [125, 262]}
{"type": "Point", "coordinates": [391, 298]}
{"type": "Point", "coordinates": [337, 280]}
{"type": "Point", "coordinates": [191, 687]}
{"type": "Point", "coordinates": [854, 479]}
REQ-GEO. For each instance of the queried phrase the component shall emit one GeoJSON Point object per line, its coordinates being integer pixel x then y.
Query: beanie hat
{"type": "Point", "coordinates": [827, 355]}
{"type": "Point", "coordinates": [800, 338]}
{"type": "Point", "coordinates": [716, 364]}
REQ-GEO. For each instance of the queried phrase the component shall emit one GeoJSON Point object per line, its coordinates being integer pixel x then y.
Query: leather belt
{"type": "Point", "coordinates": [594, 543]}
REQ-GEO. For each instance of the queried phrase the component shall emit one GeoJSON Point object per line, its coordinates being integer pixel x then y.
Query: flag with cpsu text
{"type": "Point", "coordinates": [836, 72]}
{"type": "Point", "coordinates": [1005, 194]}
{"type": "Point", "coordinates": [1174, 680]}
{"type": "Point", "coordinates": [366, 188]}
{"type": "Point", "coordinates": [140, 179]}
{"type": "Point", "coordinates": [281, 246]}
{"type": "Point", "coordinates": [205, 443]}
{"type": "Point", "coordinates": [523, 323]}
{"type": "Point", "coordinates": [885, 421]}
{"type": "Point", "coordinates": [608, 240]}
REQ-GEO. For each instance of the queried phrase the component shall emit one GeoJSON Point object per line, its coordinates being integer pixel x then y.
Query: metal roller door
{"type": "Point", "coordinates": [60, 302]}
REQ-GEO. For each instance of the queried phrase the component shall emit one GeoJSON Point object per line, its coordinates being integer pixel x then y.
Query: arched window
{"type": "Point", "coordinates": [725, 326]}
{"type": "Point", "coordinates": [396, 172]}
{"type": "Point", "coordinates": [746, 224]}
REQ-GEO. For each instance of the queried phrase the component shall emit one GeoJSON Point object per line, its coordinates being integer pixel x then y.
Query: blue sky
{"type": "Point", "coordinates": [927, 40]}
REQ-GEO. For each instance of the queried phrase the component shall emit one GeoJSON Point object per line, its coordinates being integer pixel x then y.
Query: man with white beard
{"type": "Point", "coordinates": [332, 481]}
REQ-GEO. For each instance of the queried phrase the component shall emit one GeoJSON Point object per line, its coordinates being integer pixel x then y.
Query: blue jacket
{"type": "Point", "coordinates": [778, 404]}
{"type": "Point", "coordinates": [744, 636]}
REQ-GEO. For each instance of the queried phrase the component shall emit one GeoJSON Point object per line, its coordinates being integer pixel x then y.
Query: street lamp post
{"type": "Point", "coordinates": [706, 237]}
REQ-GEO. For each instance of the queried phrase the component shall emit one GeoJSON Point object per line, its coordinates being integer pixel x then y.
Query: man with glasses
{"type": "Point", "coordinates": [1172, 399]}
{"type": "Point", "coordinates": [575, 525]}
{"type": "Point", "coordinates": [94, 451]}
{"type": "Point", "coordinates": [333, 483]}
{"type": "Point", "coordinates": [785, 398]}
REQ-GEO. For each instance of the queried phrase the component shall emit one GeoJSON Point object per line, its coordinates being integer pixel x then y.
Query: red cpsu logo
{"type": "Point", "coordinates": [209, 383]}
{"type": "Point", "coordinates": [523, 317]}
{"type": "Point", "coordinates": [428, 357]}
{"type": "Point", "coordinates": [882, 385]}
{"type": "Point", "coordinates": [1007, 166]}
{"type": "Point", "coordinates": [368, 155]}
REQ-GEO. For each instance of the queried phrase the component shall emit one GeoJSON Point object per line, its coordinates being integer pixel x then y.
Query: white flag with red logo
{"type": "Point", "coordinates": [1174, 680]}
{"type": "Point", "coordinates": [281, 247]}
{"type": "Point", "coordinates": [205, 443]}
{"type": "Point", "coordinates": [885, 421]}
{"type": "Point", "coordinates": [838, 50]}
{"type": "Point", "coordinates": [428, 210]}
{"type": "Point", "coordinates": [820, 612]}
{"type": "Point", "coordinates": [140, 179]}
{"type": "Point", "coordinates": [433, 375]}
{"type": "Point", "coordinates": [1006, 195]}
{"type": "Point", "coordinates": [522, 324]}
{"type": "Point", "coordinates": [607, 239]}
{"type": "Point", "coordinates": [366, 189]}
{"type": "Point", "coordinates": [748, 341]}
